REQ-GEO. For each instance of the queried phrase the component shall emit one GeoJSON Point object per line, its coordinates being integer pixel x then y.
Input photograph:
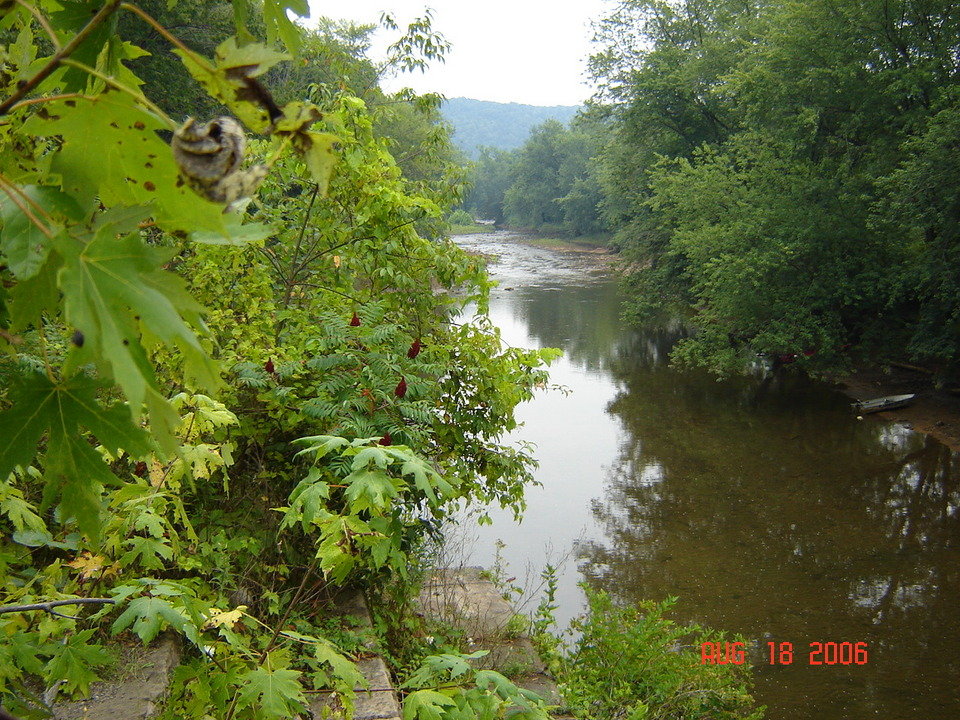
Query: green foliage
{"type": "Point", "coordinates": [366, 518]}
{"type": "Point", "coordinates": [549, 182]}
{"type": "Point", "coordinates": [460, 217]}
{"type": "Point", "coordinates": [789, 211]}
{"type": "Point", "coordinates": [153, 341]}
{"type": "Point", "coordinates": [466, 693]}
{"type": "Point", "coordinates": [632, 662]}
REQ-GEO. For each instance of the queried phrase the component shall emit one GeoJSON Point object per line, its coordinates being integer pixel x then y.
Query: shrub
{"type": "Point", "coordinates": [632, 663]}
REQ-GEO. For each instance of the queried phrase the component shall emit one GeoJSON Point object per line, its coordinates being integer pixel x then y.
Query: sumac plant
{"type": "Point", "coordinates": [182, 299]}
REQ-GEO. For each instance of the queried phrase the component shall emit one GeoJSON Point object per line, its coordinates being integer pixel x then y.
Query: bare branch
{"type": "Point", "coordinates": [64, 52]}
{"type": "Point", "coordinates": [48, 606]}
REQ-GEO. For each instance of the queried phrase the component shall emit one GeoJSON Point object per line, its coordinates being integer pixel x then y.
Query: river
{"type": "Point", "coordinates": [776, 515]}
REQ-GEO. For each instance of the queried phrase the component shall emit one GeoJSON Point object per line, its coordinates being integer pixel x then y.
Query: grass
{"type": "Point", "coordinates": [470, 229]}
{"type": "Point", "coordinates": [576, 243]}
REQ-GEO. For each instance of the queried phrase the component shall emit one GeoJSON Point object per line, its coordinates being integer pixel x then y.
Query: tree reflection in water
{"type": "Point", "coordinates": [780, 518]}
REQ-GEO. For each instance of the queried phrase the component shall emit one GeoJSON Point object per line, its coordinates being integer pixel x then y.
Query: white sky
{"type": "Point", "coordinates": [525, 51]}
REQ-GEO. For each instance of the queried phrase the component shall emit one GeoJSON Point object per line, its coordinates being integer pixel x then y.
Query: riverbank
{"type": "Point", "coordinates": [935, 412]}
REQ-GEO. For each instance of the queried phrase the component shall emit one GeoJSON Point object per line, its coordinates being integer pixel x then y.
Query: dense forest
{"type": "Point", "coordinates": [786, 173]}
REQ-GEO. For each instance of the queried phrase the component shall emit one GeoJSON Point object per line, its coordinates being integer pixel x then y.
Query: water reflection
{"type": "Point", "coordinates": [766, 507]}
{"type": "Point", "coordinates": [783, 518]}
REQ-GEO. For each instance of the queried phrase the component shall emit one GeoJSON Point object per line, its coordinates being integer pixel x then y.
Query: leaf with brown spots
{"type": "Point", "coordinates": [232, 80]}
{"type": "Point", "coordinates": [111, 150]}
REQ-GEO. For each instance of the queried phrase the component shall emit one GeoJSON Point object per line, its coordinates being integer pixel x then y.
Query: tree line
{"type": "Point", "coordinates": [785, 173]}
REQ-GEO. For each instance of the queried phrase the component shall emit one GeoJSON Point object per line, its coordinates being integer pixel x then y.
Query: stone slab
{"type": "Point", "coordinates": [378, 702]}
{"type": "Point", "coordinates": [134, 694]}
{"type": "Point", "coordinates": [467, 599]}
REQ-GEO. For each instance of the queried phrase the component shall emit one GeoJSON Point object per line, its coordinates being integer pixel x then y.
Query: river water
{"type": "Point", "coordinates": [771, 512]}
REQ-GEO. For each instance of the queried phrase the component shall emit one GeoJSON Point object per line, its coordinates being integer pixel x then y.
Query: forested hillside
{"type": "Point", "coordinates": [504, 126]}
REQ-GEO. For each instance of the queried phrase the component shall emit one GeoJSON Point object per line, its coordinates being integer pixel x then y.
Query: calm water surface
{"type": "Point", "coordinates": [771, 512]}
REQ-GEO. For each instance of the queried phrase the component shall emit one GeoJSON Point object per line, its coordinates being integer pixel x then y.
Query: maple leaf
{"type": "Point", "coordinates": [88, 564]}
{"type": "Point", "coordinates": [75, 472]}
{"type": "Point", "coordinates": [369, 490]}
{"type": "Point", "coordinates": [23, 242]}
{"type": "Point", "coordinates": [276, 691]}
{"type": "Point", "coordinates": [426, 705]}
{"type": "Point", "coordinates": [279, 25]}
{"type": "Point", "coordinates": [111, 151]}
{"type": "Point", "coordinates": [73, 661]}
{"type": "Point", "coordinates": [110, 285]}
{"type": "Point", "coordinates": [148, 616]}
{"type": "Point", "coordinates": [224, 618]}
{"type": "Point", "coordinates": [231, 78]}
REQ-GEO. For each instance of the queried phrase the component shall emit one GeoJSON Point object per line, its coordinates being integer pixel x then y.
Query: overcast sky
{"type": "Point", "coordinates": [525, 51]}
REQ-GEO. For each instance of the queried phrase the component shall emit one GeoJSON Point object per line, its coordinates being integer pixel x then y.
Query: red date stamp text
{"type": "Point", "coordinates": [783, 653]}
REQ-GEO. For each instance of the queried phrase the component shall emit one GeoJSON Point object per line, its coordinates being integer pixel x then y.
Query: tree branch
{"type": "Point", "coordinates": [48, 606]}
{"type": "Point", "coordinates": [64, 52]}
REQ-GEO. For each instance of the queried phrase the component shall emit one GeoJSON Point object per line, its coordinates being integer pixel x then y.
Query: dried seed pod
{"type": "Point", "coordinates": [209, 157]}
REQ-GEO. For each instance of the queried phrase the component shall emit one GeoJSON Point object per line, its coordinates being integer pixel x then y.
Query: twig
{"type": "Point", "coordinates": [51, 98]}
{"type": "Point", "coordinates": [48, 606]}
{"type": "Point", "coordinates": [198, 59]}
{"type": "Point", "coordinates": [294, 270]}
{"type": "Point", "coordinates": [42, 20]}
{"type": "Point", "coordinates": [64, 52]}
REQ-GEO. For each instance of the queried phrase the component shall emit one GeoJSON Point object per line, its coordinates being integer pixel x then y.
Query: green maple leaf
{"type": "Point", "coordinates": [74, 472]}
{"type": "Point", "coordinates": [149, 552]}
{"type": "Point", "coordinates": [30, 298]}
{"type": "Point", "coordinates": [279, 24]}
{"type": "Point", "coordinates": [276, 691]}
{"type": "Point", "coordinates": [426, 705]}
{"type": "Point", "coordinates": [425, 477]}
{"type": "Point", "coordinates": [22, 241]}
{"type": "Point", "coordinates": [369, 490]}
{"type": "Point", "coordinates": [23, 647]}
{"type": "Point", "coordinates": [111, 151]}
{"type": "Point", "coordinates": [112, 285]}
{"type": "Point", "coordinates": [74, 662]}
{"type": "Point", "coordinates": [231, 79]}
{"type": "Point", "coordinates": [148, 616]}
{"type": "Point", "coordinates": [18, 511]}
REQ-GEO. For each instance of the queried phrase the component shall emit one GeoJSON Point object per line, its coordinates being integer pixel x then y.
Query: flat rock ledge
{"type": "Point", "coordinates": [143, 677]}
{"type": "Point", "coordinates": [467, 599]}
{"type": "Point", "coordinates": [463, 597]}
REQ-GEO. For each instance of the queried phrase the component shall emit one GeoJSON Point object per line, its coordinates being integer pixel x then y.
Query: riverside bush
{"type": "Point", "coordinates": [632, 663]}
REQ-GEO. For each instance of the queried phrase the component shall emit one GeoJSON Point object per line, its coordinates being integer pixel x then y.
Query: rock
{"type": "Point", "coordinates": [142, 678]}
{"type": "Point", "coordinates": [378, 702]}
{"type": "Point", "coordinates": [468, 600]}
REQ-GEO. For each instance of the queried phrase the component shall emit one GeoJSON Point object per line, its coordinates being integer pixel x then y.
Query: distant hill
{"type": "Point", "coordinates": [481, 123]}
